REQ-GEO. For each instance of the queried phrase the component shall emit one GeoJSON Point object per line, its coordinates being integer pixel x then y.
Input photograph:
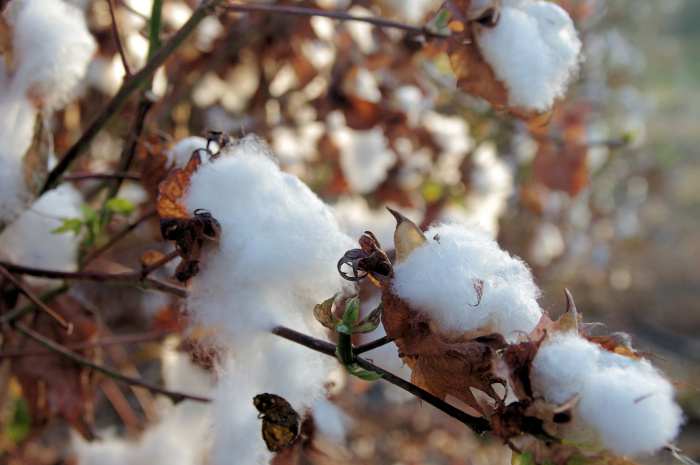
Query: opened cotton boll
{"type": "Point", "coordinates": [534, 51]}
{"type": "Point", "coordinates": [624, 405]}
{"type": "Point", "coordinates": [466, 286]}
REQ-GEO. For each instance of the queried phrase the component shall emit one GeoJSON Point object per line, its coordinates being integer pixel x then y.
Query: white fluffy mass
{"type": "Point", "coordinates": [51, 49]}
{"type": "Point", "coordinates": [625, 406]}
{"type": "Point", "coordinates": [275, 260]}
{"type": "Point", "coordinates": [179, 438]}
{"type": "Point", "coordinates": [440, 279]}
{"type": "Point", "coordinates": [534, 51]}
{"type": "Point", "coordinates": [29, 241]}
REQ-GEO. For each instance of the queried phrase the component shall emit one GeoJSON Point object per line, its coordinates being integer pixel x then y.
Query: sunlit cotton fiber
{"type": "Point", "coordinates": [441, 278]}
{"type": "Point", "coordinates": [625, 405]}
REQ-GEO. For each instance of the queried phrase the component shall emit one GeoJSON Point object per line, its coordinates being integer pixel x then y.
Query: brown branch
{"type": "Point", "coordinates": [35, 300]}
{"type": "Point", "coordinates": [121, 405]}
{"type": "Point", "coordinates": [361, 349]}
{"type": "Point", "coordinates": [113, 175]}
{"type": "Point", "coordinates": [175, 396]}
{"type": "Point", "coordinates": [128, 70]}
{"type": "Point", "coordinates": [478, 425]}
{"type": "Point", "coordinates": [105, 341]}
{"type": "Point", "coordinates": [117, 237]}
{"type": "Point", "coordinates": [291, 10]}
{"type": "Point", "coordinates": [154, 266]}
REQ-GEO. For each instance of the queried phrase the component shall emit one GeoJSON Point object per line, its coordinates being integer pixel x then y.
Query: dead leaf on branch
{"type": "Point", "coordinates": [52, 385]}
{"type": "Point", "coordinates": [189, 236]}
{"type": "Point", "coordinates": [173, 191]}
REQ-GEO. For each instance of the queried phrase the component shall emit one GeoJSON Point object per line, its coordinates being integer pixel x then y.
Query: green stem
{"type": "Point", "coordinates": [154, 27]}
{"type": "Point", "coordinates": [29, 307]}
{"type": "Point", "coordinates": [128, 88]}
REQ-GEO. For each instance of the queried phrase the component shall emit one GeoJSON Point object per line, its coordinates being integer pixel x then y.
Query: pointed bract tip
{"type": "Point", "coordinates": [399, 217]}
{"type": "Point", "coordinates": [570, 304]}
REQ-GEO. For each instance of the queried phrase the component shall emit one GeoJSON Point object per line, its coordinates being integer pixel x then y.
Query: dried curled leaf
{"type": "Point", "coordinates": [280, 422]}
{"type": "Point", "coordinates": [189, 236]}
{"type": "Point", "coordinates": [370, 259]}
{"type": "Point", "coordinates": [324, 314]}
{"type": "Point", "coordinates": [173, 190]}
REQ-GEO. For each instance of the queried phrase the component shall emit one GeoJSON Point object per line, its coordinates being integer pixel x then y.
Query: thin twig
{"type": "Point", "coordinates": [121, 405]}
{"type": "Point", "coordinates": [361, 349]}
{"type": "Point", "coordinates": [35, 300]}
{"type": "Point", "coordinates": [128, 70]}
{"type": "Point", "coordinates": [291, 10]}
{"type": "Point", "coordinates": [175, 396]}
{"type": "Point", "coordinates": [117, 237]}
{"type": "Point", "coordinates": [105, 341]}
{"type": "Point", "coordinates": [132, 278]}
{"type": "Point", "coordinates": [113, 175]}
{"type": "Point", "coordinates": [478, 425]}
{"type": "Point", "coordinates": [131, 10]}
{"type": "Point", "coordinates": [129, 86]}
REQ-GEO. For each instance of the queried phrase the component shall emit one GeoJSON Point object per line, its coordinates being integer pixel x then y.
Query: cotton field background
{"type": "Point", "coordinates": [191, 194]}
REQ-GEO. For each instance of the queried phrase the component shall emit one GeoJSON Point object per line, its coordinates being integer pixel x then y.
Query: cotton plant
{"type": "Point", "coordinates": [48, 58]}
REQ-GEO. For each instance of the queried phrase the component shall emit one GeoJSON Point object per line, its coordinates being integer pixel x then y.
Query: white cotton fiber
{"type": "Point", "coordinates": [52, 48]}
{"type": "Point", "coordinates": [179, 438]}
{"type": "Point", "coordinates": [276, 258]}
{"type": "Point", "coordinates": [438, 279]}
{"type": "Point", "coordinates": [625, 405]}
{"type": "Point", "coordinates": [534, 51]}
{"type": "Point", "coordinates": [29, 241]}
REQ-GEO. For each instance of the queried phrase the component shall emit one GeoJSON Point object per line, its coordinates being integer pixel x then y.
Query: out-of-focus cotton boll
{"type": "Point", "coordinates": [625, 405]}
{"type": "Point", "coordinates": [179, 438]}
{"type": "Point", "coordinates": [440, 279]}
{"type": "Point", "coordinates": [411, 11]}
{"type": "Point", "coordinates": [546, 244]}
{"type": "Point", "coordinates": [534, 51]}
{"type": "Point", "coordinates": [364, 157]}
{"type": "Point", "coordinates": [29, 241]}
{"type": "Point", "coordinates": [52, 49]}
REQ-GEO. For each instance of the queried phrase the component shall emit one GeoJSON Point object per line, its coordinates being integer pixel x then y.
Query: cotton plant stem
{"type": "Point", "coordinates": [29, 307]}
{"type": "Point", "coordinates": [134, 278]}
{"type": "Point", "coordinates": [128, 70]}
{"type": "Point", "coordinates": [300, 11]}
{"type": "Point", "coordinates": [175, 396]}
{"type": "Point", "coordinates": [113, 175]}
{"type": "Point", "coordinates": [102, 342]}
{"type": "Point", "coordinates": [128, 88]}
{"type": "Point", "coordinates": [361, 349]}
{"type": "Point", "coordinates": [35, 300]}
{"type": "Point", "coordinates": [477, 425]}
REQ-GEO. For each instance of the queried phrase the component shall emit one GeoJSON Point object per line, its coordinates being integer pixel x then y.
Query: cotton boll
{"type": "Point", "coordinates": [624, 405]}
{"type": "Point", "coordinates": [440, 278]}
{"type": "Point", "coordinates": [364, 157]}
{"type": "Point", "coordinates": [534, 51]}
{"type": "Point", "coordinates": [52, 48]}
{"type": "Point", "coordinates": [182, 152]}
{"type": "Point", "coordinates": [29, 241]}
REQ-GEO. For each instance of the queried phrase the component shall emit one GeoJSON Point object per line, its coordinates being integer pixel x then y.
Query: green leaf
{"type": "Point", "coordinates": [352, 311]}
{"type": "Point", "coordinates": [121, 206]}
{"type": "Point", "coordinates": [69, 224]}
{"type": "Point", "coordinates": [526, 458]}
{"type": "Point", "coordinates": [324, 315]}
{"type": "Point", "coordinates": [370, 322]}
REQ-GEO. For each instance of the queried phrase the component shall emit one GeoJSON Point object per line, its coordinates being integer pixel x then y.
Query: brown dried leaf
{"type": "Point", "coordinates": [189, 236]}
{"type": "Point", "coordinates": [369, 259]}
{"type": "Point", "coordinates": [173, 190]}
{"type": "Point", "coordinates": [150, 257]}
{"type": "Point", "coordinates": [154, 166]}
{"type": "Point", "coordinates": [52, 385]}
{"type": "Point", "coordinates": [542, 451]}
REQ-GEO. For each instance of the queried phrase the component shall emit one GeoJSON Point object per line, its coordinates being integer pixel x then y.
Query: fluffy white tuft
{"type": "Point", "coordinates": [625, 406]}
{"type": "Point", "coordinates": [440, 277]}
{"type": "Point", "coordinates": [275, 260]}
{"type": "Point", "coordinates": [53, 48]}
{"type": "Point", "coordinates": [534, 51]}
{"type": "Point", "coordinates": [29, 241]}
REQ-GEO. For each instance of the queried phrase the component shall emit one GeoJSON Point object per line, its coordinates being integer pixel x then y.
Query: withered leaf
{"type": "Point", "coordinates": [189, 236]}
{"type": "Point", "coordinates": [173, 190]}
{"type": "Point", "coordinates": [370, 259]}
{"type": "Point", "coordinates": [324, 314]}
{"type": "Point", "coordinates": [280, 422]}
